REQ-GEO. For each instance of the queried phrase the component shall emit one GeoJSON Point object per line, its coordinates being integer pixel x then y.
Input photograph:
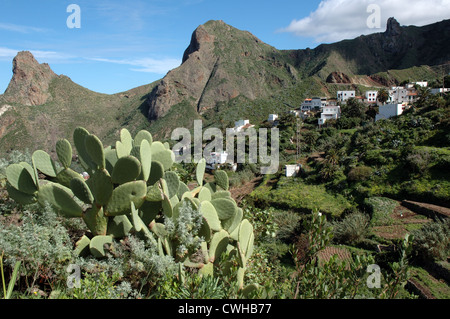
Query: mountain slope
{"type": "Point", "coordinates": [396, 48]}
{"type": "Point", "coordinates": [220, 64]}
{"type": "Point", "coordinates": [226, 74]}
{"type": "Point", "coordinates": [223, 63]}
{"type": "Point", "coordinates": [42, 107]}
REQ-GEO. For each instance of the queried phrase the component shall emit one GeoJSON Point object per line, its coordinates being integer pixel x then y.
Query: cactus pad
{"type": "Point", "coordinates": [61, 198]}
{"type": "Point", "coordinates": [221, 179]}
{"type": "Point", "coordinates": [21, 179]}
{"type": "Point", "coordinates": [43, 162]}
{"type": "Point", "coordinates": [123, 195]}
{"type": "Point", "coordinates": [94, 149]}
{"type": "Point", "coordinates": [64, 152]}
{"type": "Point", "coordinates": [226, 208]}
{"type": "Point", "coordinates": [200, 171]}
{"type": "Point", "coordinates": [96, 245]}
{"type": "Point", "coordinates": [81, 190]}
{"type": "Point", "coordinates": [127, 169]}
{"type": "Point", "coordinates": [210, 214]}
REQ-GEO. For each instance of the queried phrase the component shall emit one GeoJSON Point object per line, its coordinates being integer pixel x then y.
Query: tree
{"type": "Point", "coordinates": [354, 108]}
{"type": "Point", "coordinates": [382, 96]}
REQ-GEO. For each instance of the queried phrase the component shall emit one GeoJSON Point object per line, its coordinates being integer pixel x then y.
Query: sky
{"type": "Point", "coordinates": [113, 46]}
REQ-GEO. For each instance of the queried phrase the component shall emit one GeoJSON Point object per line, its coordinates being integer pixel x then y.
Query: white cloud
{"type": "Point", "coordinates": [335, 20]}
{"type": "Point", "coordinates": [20, 28]}
{"type": "Point", "coordinates": [159, 66]}
{"type": "Point", "coordinates": [46, 56]}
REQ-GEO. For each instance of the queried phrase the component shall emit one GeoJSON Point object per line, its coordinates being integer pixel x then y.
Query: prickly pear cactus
{"type": "Point", "coordinates": [131, 189]}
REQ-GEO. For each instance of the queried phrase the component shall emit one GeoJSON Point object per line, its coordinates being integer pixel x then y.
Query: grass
{"type": "Point", "coordinates": [295, 194]}
{"type": "Point", "coordinates": [438, 288]}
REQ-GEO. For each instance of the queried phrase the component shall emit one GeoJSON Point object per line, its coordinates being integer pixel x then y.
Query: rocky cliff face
{"type": "Point", "coordinates": [30, 82]}
{"type": "Point", "coordinates": [221, 63]}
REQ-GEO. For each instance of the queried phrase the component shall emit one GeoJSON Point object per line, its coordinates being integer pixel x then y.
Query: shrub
{"type": "Point", "coordinates": [286, 223]}
{"type": "Point", "coordinates": [432, 241]}
{"type": "Point", "coordinates": [40, 242]}
{"type": "Point", "coordinates": [419, 161]}
{"type": "Point", "coordinates": [380, 209]}
{"type": "Point", "coordinates": [359, 173]}
{"type": "Point", "coordinates": [352, 229]}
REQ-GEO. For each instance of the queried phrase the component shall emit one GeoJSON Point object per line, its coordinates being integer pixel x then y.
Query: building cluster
{"type": "Point", "coordinates": [398, 99]}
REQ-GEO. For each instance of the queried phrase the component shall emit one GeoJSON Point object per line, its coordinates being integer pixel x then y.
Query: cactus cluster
{"type": "Point", "coordinates": [131, 189]}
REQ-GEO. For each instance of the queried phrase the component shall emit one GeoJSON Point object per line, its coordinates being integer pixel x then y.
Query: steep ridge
{"type": "Point", "coordinates": [221, 63]}
{"type": "Point", "coordinates": [225, 73]}
{"type": "Point", "coordinates": [30, 82]}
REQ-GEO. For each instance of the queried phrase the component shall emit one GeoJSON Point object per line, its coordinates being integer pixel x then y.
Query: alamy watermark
{"type": "Point", "coordinates": [374, 19]}
{"type": "Point", "coordinates": [74, 19]}
{"type": "Point", "coordinates": [257, 145]}
{"type": "Point", "coordinates": [74, 277]}
{"type": "Point", "coordinates": [374, 280]}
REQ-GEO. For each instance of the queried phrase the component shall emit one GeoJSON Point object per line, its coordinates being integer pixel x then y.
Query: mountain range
{"type": "Point", "coordinates": [226, 74]}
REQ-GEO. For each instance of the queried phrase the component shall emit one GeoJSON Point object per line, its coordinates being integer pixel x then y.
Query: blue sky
{"type": "Point", "coordinates": [125, 44]}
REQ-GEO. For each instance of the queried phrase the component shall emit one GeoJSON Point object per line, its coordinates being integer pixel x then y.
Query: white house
{"type": "Point", "coordinates": [389, 110]}
{"type": "Point", "coordinates": [371, 96]}
{"type": "Point", "coordinates": [330, 113]}
{"type": "Point", "coordinates": [400, 94]}
{"type": "Point", "coordinates": [242, 125]}
{"type": "Point", "coordinates": [315, 103]}
{"type": "Point", "coordinates": [423, 84]}
{"type": "Point", "coordinates": [272, 117]}
{"type": "Point", "coordinates": [215, 159]}
{"type": "Point", "coordinates": [292, 170]}
{"type": "Point", "coordinates": [439, 90]}
{"type": "Point", "coordinates": [345, 95]}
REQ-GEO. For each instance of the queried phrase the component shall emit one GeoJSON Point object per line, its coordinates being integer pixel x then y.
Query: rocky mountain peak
{"type": "Point", "coordinates": [393, 28]}
{"type": "Point", "coordinates": [220, 63]}
{"type": "Point", "coordinates": [30, 81]}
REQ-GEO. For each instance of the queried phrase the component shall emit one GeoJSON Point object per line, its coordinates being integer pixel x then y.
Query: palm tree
{"type": "Point", "coordinates": [383, 96]}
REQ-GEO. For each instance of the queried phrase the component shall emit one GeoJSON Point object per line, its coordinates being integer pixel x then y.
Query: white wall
{"type": "Point", "coordinates": [389, 110]}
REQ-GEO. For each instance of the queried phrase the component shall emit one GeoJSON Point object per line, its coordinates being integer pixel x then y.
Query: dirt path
{"type": "Point", "coordinates": [238, 193]}
{"type": "Point", "coordinates": [427, 209]}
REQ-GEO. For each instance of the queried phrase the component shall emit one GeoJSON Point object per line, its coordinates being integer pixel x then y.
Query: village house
{"type": "Point", "coordinates": [371, 97]}
{"type": "Point", "coordinates": [329, 113]}
{"type": "Point", "coordinates": [401, 94]}
{"type": "Point", "coordinates": [216, 159]}
{"type": "Point", "coordinates": [292, 170]}
{"type": "Point", "coordinates": [242, 125]}
{"type": "Point", "coordinates": [390, 110]}
{"type": "Point", "coordinates": [315, 103]}
{"type": "Point", "coordinates": [439, 90]}
{"type": "Point", "coordinates": [343, 96]}
{"type": "Point", "coordinates": [272, 117]}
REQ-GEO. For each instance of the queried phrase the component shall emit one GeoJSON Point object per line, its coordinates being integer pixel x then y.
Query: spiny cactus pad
{"type": "Point", "coordinates": [43, 162]}
{"type": "Point", "coordinates": [61, 198]}
{"type": "Point", "coordinates": [81, 190]}
{"type": "Point", "coordinates": [221, 179]}
{"type": "Point", "coordinates": [21, 179]}
{"type": "Point", "coordinates": [127, 169]}
{"type": "Point", "coordinates": [101, 186]}
{"type": "Point", "coordinates": [210, 214]}
{"type": "Point", "coordinates": [200, 171]}
{"type": "Point", "coordinates": [64, 152]}
{"type": "Point", "coordinates": [173, 182]}
{"type": "Point", "coordinates": [94, 149]}
{"type": "Point", "coordinates": [123, 195]}
{"type": "Point", "coordinates": [225, 207]}
{"type": "Point", "coordinates": [143, 135]}
{"type": "Point", "coordinates": [97, 247]}
{"type": "Point", "coordinates": [96, 221]}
